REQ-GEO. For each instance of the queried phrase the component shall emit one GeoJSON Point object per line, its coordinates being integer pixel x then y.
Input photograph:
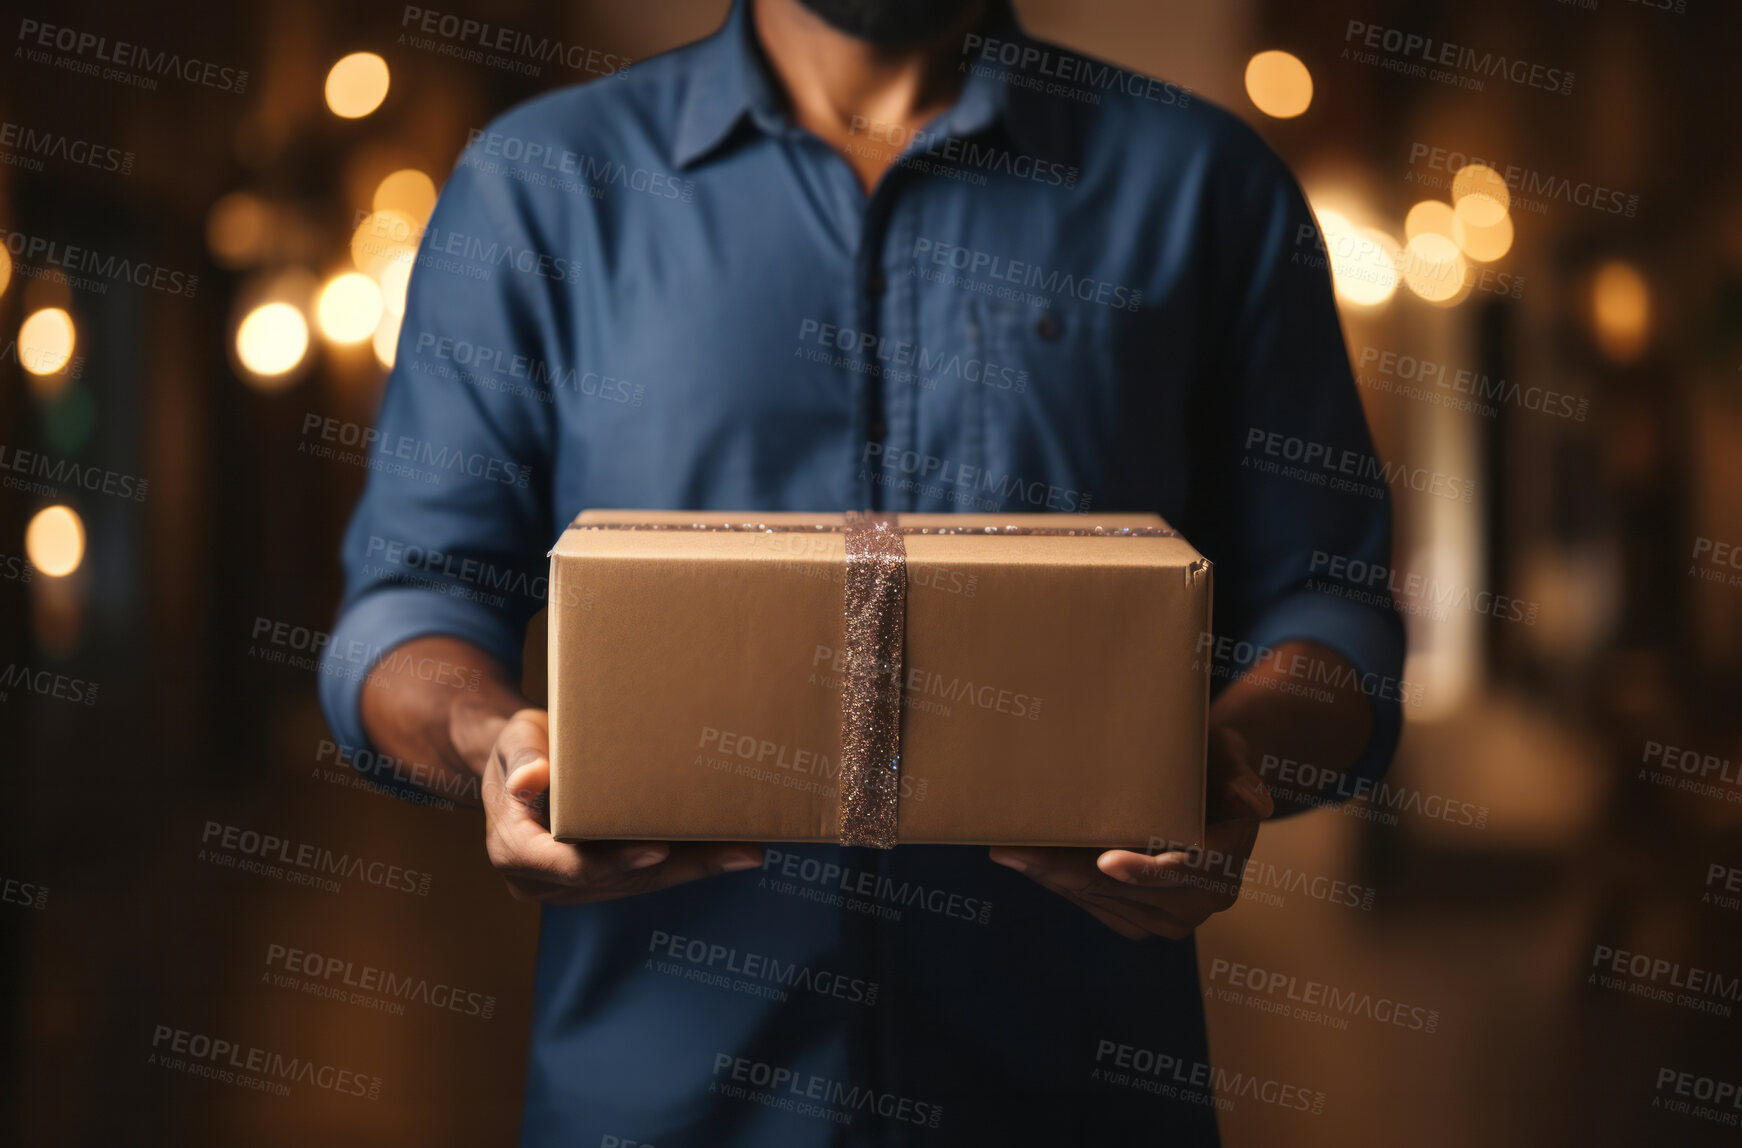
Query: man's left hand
{"type": "Point", "coordinates": [1169, 894]}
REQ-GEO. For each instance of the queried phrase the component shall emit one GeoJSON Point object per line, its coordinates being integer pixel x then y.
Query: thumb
{"type": "Point", "coordinates": [528, 772]}
{"type": "Point", "coordinates": [524, 748]}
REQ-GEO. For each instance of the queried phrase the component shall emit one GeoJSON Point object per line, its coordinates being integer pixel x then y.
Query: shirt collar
{"type": "Point", "coordinates": [729, 82]}
{"type": "Point", "coordinates": [726, 82]}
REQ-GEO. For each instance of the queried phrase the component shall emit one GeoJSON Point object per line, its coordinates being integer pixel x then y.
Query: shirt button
{"type": "Point", "coordinates": [875, 285]}
{"type": "Point", "coordinates": [879, 429]}
{"type": "Point", "coordinates": [1046, 326]}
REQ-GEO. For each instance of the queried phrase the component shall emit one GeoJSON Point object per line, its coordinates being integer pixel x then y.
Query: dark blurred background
{"type": "Point", "coordinates": [1560, 327]}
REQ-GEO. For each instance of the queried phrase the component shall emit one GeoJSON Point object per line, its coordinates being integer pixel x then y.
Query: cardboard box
{"type": "Point", "coordinates": [1054, 692]}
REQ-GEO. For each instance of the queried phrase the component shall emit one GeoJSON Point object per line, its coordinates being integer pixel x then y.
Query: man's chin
{"type": "Point", "coordinates": [889, 23]}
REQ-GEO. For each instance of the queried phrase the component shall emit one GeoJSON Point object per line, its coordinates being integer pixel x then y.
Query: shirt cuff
{"type": "Point", "coordinates": [388, 617]}
{"type": "Point", "coordinates": [1372, 642]}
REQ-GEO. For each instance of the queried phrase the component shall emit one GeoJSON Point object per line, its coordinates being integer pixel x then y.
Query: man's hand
{"type": "Point", "coordinates": [538, 867]}
{"type": "Point", "coordinates": [1170, 894]}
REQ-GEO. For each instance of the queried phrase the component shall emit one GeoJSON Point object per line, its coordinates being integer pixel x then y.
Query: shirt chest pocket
{"type": "Point", "coordinates": [1056, 390]}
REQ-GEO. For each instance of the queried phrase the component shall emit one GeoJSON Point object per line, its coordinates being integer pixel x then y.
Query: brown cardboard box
{"type": "Point", "coordinates": [1054, 693]}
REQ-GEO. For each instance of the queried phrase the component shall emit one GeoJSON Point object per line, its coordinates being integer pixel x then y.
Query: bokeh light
{"type": "Point", "coordinates": [1620, 310]}
{"type": "Point", "coordinates": [357, 84]}
{"type": "Point", "coordinates": [237, 227]}
{"type": "Point", "coordinates": [1279, 84]}
{"type": "Point", "coordinates": [1363, 260]}
{"type": "Point", "coordinates": [271, 340]}
{"type": "Point", "coordinates": [1434, 268]}
{"type": "Point", "coordinates": [5, 269]}
{"type": "Point", "coordinates": [349, 307]}
{"type": "Point", "coordinates": [1480, 195]}
{"type": "Point", "coordinates": [45, 341]}
{"type": "Point", "coordinates": [1483, 244]}
{"type": "Point", "coordinates": [1430, 217]}
{"type": "Point", "coordinates": [386, 341]}
{"type": "Point", "coordinates": [383, 238]}
{"type": "Point", "coordinates": [55, 541]}
{"type": "Point", "coordinates": [395, 278]}
{"type": "Point", "coordinates": [407, 190]}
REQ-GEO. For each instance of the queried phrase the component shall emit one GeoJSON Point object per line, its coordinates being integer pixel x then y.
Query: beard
{"type": "Point", "coordinates": [889, 23]}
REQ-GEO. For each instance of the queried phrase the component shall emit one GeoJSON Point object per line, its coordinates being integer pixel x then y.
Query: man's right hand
{"type": "Point", "coordinates": [538, 867]}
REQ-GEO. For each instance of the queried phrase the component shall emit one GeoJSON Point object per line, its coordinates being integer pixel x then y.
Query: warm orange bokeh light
{"type": "Point", "coordinates": [1278, 84]}
{"type": "Point", "coordinates": [55, 541]}
{"type": "Point", "coordinates": [357, 84]}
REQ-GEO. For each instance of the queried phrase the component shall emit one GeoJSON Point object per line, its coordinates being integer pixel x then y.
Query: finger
{"type": "Point", "coordinates": [1162, 870]}
{"type": "Point", "coordinates": [685, 864]}
{"type": "Point", "coordinates": [529, 851]}
{"type": "Point", "coordinates": [1235, 789]}
{"type": "Point", "coordinates": [1072, 874]}
{"type": "Point", "coordinates": [693, 861]}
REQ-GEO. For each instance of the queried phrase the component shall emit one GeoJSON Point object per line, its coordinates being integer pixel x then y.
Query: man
{"type": "Point", "coordinates": [890, 255]}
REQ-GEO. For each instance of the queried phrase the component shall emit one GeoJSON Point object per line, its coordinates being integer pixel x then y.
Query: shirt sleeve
{"type": "Point", "coordinates": [451, 532]}
{"type": "Point", "coordinates": [1292, 478]}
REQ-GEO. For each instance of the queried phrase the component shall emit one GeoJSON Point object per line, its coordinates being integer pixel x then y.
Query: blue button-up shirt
{"type": "Point", "coordinates": [1080, 290]}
